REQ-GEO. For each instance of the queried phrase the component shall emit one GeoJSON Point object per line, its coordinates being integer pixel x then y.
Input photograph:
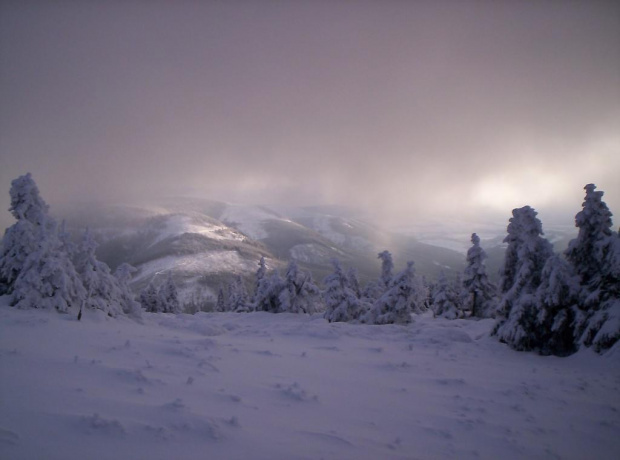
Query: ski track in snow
{"type": "Point", "coordinates": [263, 386]}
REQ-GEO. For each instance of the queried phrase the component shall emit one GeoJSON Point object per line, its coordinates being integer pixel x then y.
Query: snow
{"type": "Point", "coordinates": [264, 386]}
{"type": "Point", "coordinates": [311, 253]}
{"type": "Point", "coordinates": [248, 219]}
{"type": "Point", "coordinates": [323, 225]}
{"type": "Point", "coordinates": [203, 263]}
{"type": "Point", "coordinates": [178, 224]}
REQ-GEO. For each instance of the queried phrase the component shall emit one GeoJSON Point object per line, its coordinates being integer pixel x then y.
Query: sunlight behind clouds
{"type": "Point", "coordinates": [502, 192]}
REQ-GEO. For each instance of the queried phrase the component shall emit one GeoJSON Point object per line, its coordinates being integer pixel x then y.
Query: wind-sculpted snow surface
{"type": "Point", "coordinates": [265, 386]}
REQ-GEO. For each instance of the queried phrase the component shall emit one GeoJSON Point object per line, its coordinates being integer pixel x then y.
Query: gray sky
{"type": "Point", "coordinates": [413, 110]}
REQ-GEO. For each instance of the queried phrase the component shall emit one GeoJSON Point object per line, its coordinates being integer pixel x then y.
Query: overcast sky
{"type": "Point", "coordinates": [412, 110]}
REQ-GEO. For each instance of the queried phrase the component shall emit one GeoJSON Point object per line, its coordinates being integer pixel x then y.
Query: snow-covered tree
{"type": "Point", "coordinates": [237, 300]}
{"type": "Point", "coordinates": [421, 295]}
{"type": "Point", "coordinates": [353, 282]}
{"type": "Point", "coordinates": [102, 288]}
{"type": "Point", "coordinates": [220, 304]}
{"type": "Point", "coordinates": [397, 303]}
{"type": "Point", "coordinates": [123, 275]}
{"type": "Point", "coordinates": [268, 293]}
{"type": "Point", "coordinates": [526, 255]}
{"type": "Point", "coordinates": [47, 278]}
{"type": "Point", "coordinates": [480, 290]}
{"type": "Point", "coordinates": [26, 201]}
{"type": "Point", "coordinates": [299, 294]}
{"type": "Point", "coordinates": [387, 268]}
{"type": "Point", "coordinates": [24, 237]}
{"type": "Point", "coordinates": [149, 299]}
{"type": "Point", "coordinates": [34, 267]}
{"type": "Point", "coordinates": [169, 296]}
{"type": "Point", "coordinates": [371, 292]}
{"type": "Point", "coordinates": [589, 253]}
{"type": "Point", "coordinates": [341, 301]}
{"type": "Point", "coordinates": [260, 274]}
{"type": "Point", "coordinates": [594, 255]}
{"type": "Point", "coordinates": [308, 298]}
{"type": "Point", "coordinates": [446, 302]}
{"type": "Point", "coordinates": [557, 298]}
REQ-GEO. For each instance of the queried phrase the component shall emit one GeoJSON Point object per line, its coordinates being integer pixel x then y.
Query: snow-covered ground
{"type": "Point", "coordinates": [263, 386]}
{"type": "Point", "coordinates": [203, 263]}
{"type": "Point", "coordinates": [178, 224]}
{"type": "Point", "coordinates": [248, 219]}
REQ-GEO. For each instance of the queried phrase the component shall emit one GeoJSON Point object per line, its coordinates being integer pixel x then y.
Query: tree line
{"type": "Point", "coordinates": [551, 303]}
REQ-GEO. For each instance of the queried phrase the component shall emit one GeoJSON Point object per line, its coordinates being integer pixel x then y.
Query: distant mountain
{"type": "Point", "coordinates": [205, 243]}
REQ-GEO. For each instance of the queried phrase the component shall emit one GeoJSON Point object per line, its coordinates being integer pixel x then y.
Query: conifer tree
{"type": "Point", "coordinates": [103, 290]}
{"type": "Point", "coordinates": [169, 296]}
{"type": "Point", "coordinates": [237, 296]}
{"type": "Point", "coordinates": [341, 302]}
{"type": "Point", "coordinates": [387, 267]}
{"type": "Point", "coordinates": [557, 298]}
{"type": "Point", "coordinates": [480, 290]}
{"type": "Point", "coordinates": [23, 237]}
{"type": "Point", "coordinates": [149, 299]}
{"type": "Point", "coordinates": [268, 294]}
{"type": "Point", "coordinates": [34, 266]}
{"type": "Point", "coordinates": [594, 255]}
{"type": "Point", "coordinates": [47, 278]}
{"type": "Point", "coordinates": [260, 274]}
{"type": "Point", "coordinates": [446, 303]}
{"type": "Point", "coordinates": [397, 303]}
{"type": "Point", "coordinates": [526, 255]}
{"type": "Point", "coordinates": [129, 305]}
{"type": "Point", "coordinates": [220, 304]}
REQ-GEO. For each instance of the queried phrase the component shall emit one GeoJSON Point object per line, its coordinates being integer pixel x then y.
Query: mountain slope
{"type": "Point", "coordinates": [205, 243]}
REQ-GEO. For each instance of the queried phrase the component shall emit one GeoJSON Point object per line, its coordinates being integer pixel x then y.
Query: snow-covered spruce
{"type": "Point", "coordinates": [526, 255]}
{"type": "Point", "coordinates": [169, 296]}
{"type": "Point", "coordinates": [149, 299]}
{"type": "Point", "coordinates": [556, 298]}
{"type": "Point", "coordinates": [22, 238]}
{"type": "Point", "coordinates": [446, 300]}
{"type": "Point", "coordinates": [34, 267]}
{"type": "Point", "coordinates": [299, 293]}
{"type": "Point", "coordinates": [237, 299]}
{"type": "Point", "coordinates": [123, 275]}
{"type": "Point", "coordinates": [595, 257]}
{"type": "Point", "coordinates": [296, 293]}
{"type": "Point", "coordinates": [268, 293]}
{"type": "Point", "coordinates": [260, 274]}
{"type": "Point", "coordinates": [397, 303]}
{"type": "Point", "coordinates": [387, 268]}
{"type": "Point", "coordinates": [102, 288]}
{"type": "Point", "coordinates": [48, 278]}
{"type": "Point", "coordinates": [342, 303]}
{"type": "Point", "coordinates": [480, 291]}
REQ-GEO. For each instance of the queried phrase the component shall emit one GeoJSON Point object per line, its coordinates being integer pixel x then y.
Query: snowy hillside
{"type": "Point", "coordinates": [263, 386]}
{"type": "Point", "coordinates": [205, 243]}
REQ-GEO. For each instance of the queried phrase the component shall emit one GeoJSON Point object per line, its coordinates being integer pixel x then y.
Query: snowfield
{"type": "Point", "coordinates": [265, 386]}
